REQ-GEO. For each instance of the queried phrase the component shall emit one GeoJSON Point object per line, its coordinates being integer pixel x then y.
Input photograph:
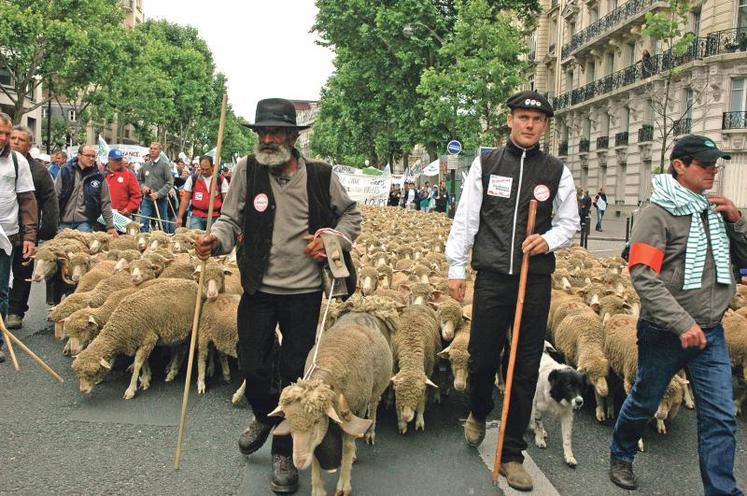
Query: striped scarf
{"type": "Point", "coordinates": [678, 200]}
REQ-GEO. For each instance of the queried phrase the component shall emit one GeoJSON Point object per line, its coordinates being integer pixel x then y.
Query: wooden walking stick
{"type": "Point", "coordinates": [514, 344]}
{"type": "Point", "coordinates": [158, 214]}
{"type": "Point", "coordinates": [198, 296]}
{"type": "Point", "coordinates": [30, 353]}
{"type": "Point", "coordinates": [11, 352]}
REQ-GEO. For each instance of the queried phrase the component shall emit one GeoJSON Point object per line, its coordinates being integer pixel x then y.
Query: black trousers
{"type": "Point", "coordinates": [493, 314]}
{"type": "Point", "coordinates": [19, 293]}
{"type": "Point", "coordinates": [267, 368]}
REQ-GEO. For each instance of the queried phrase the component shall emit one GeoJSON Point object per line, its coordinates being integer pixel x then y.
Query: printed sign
{"type": "Point", "coordinates": [500, 186]}
{"type": "Point", "coordinates": [364, 189]}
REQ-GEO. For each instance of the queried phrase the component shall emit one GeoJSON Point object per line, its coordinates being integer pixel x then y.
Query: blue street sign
{"type": "Point", "coordinates": [454, 147]}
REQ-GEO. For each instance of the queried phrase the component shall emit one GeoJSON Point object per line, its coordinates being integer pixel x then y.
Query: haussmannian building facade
{"type": "Point", "coordinates": [606, 80]}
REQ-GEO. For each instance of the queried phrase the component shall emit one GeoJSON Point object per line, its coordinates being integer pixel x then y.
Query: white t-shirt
{"type": "Point", "coordinates": [410, 196]}
{"type": "Point", "coordinates": [9, 187]}
{"type": "Point", "coordinates": [207, 181]}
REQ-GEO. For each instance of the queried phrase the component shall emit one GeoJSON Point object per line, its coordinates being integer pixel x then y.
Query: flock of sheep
{"type": "Point", "coordinates": [129, 294]}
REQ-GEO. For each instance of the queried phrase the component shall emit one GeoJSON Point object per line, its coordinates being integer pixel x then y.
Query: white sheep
{"type": "Point", "coordinates": [217, 327]}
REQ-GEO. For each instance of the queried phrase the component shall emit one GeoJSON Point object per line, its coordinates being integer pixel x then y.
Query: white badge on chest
{"type": "Point", "coordinates": [500, 186]}
{"type": "Point", "coordinates": [198, 195]}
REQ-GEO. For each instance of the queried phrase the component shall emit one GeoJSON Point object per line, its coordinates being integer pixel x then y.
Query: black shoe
{"type": "Point", "coordinates": [621, 473]}
{"type": "Point", "coordinates": [284, 475]}
{"type": "Point", "coordinates": [254, 436]}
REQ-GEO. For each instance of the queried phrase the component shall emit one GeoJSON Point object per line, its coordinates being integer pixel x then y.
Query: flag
{"type": "Point", "coordinates": [103, 151]}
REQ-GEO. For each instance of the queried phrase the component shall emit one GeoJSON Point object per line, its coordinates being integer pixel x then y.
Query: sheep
{"type": "Point", "coordinates": [181, 267]}
{"type": "Point", "coordinates": [217, 327]}
{"type": "Point", "coordinates": [182, 243]}
{"type": "Point", "coordinates": [735, 333]}
{"type": "Point", "coordinates": [372, 311]}
{"type": "Point", "coordinates": [144, 269]}
{"type": "Point", "coordinates": [613, 305]}
{"type": "Point", "coordinates": [415, 347]}
{"type": "Point", "coordinates": [137, 324]}
{"type": "Point", "coordinates": [73, 234]}
{"type": "Point", "coordinates": [158, 239]}
{"type": "Point", "coordinates": [123, 242]}
{"type": "Point", "coordinates": [353, 369]}
{"type": "Point", "coordinates": [457, 353]}
{"type": "Point", "coordinates": [369, 278]}
{"type": "Point", "coordinates": [98, 241]}
{"type": "Point", "coordinates": [214, 280]}
{"type": "Point", "coordinates": [142, 240]}
{"type": "Point", "coordinates": [420, 293]}
{"type": "Point", "coordinates": [580, 338]}
{"type": "Point", "coordinates": [132, 228]}
{"type": "Point", "coordinates": [48, 262]}
{"type": "Point", "coordinates": [79, 264]}
{"type": "Point", "coordinates": [90, 279]}
{"type": "Point", "coordinates": [449, 313]}
{"type": "Point", "coordinates": [65, 309]}
{"type": "Point", "coordinates": [124, 257]}
{"type": "Point", "coordinates": [392, 295]}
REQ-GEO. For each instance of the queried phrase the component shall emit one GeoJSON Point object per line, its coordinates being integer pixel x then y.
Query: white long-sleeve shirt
{"type": "Point", "coordinates": [466, 223]}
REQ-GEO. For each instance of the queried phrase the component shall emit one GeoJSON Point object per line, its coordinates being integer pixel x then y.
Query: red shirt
{"type": "Point", "coordinates": [124, 190]}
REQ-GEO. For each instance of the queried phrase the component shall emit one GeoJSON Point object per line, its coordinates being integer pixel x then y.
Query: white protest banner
{"type": "Point", "coordinates": [133, 153]}
{"type": "Point", "coordinates": [432, 169]}
{"type": "Point", "coordinates": [364, 189]}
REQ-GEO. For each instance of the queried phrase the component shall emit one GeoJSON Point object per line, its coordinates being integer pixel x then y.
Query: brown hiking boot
{"type": "Point", "coordinates": [474, 431]}
{"type": "Point", "coordinates": [14, 321]}
{"type": "Point", "coordinates": [254, 436]}
{"type": "Point", "coordinates": [621, 473]}
{"type": "Point", "coordinates": [516, 476]}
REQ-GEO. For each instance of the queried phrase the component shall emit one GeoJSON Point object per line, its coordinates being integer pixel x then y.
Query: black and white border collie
{"type": "Point", "coordinates": [559, 392]}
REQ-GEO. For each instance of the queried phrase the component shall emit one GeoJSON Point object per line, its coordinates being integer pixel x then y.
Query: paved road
{"type": "Point", "coordinates": [56, 441]}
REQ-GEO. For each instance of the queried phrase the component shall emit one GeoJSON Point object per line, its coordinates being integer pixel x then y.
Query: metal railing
{"type": "Point", "coordinates": [682, 126]}
{"type": "Point", "coordinates": [563, 148]}
{"type": "Point", "coordinates": [734, 120]}
{"type": "Point", "coordinates": [603, 142]}
{"type": "Point", "coordinates": [621, 138]}
{"type": "Point", "coordinates": [583, 145]}
{"type": "Point", "coordinates": [646, 133]}
{"type": "Point", "coordinates": [617, 17]}
{"type": "Point", "coordinates": [726, 41]}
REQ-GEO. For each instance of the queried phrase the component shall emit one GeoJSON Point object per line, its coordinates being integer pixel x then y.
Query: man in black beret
{"type": "Point", "coordinates": [277, 203]}
{"type": "Point", "coordinates": [492, 219]}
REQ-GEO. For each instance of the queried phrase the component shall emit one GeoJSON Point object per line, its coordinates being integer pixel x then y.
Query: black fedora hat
{"type": "Point", "coordinates": [275, 112]}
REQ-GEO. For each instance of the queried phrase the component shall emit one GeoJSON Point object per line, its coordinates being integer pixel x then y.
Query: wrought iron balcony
{"type": "Point", "coordinates": [563, 149]}
{"type": "Point", "coordinates": [561, 101]}
{"type": "Point", "coordinates": [734, 120]}
{"type": "Point", "coordinates": [621, 138]}
{"type": "Point", "coordinates": [682, 126]}
{"type": "Point", "coordinates": [646, 133]}
{"type": "Point", "coordinates": [726, 41]}
{"type": "Point", "coordinates": [583, 145]}
{"type": "Point", "coordinates": [615, 18]}
{"type": "Point", "coordinates": [603, 142]}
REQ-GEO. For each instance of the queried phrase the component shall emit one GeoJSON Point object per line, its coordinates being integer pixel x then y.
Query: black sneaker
{"type": "Point", "coordinates": [284, 475]}
{"type": "Point", "coordinates": [254, 436]}
{"type": "Point", "coordinates": [621, 473]}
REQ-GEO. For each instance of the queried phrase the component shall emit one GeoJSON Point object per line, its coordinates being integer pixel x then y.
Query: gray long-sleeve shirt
{"type": "Point", "coordinates": [156, 176]}
{"type": "Point", "coordinates": [663, 301]}
{"type": "Point", "coordinates": [74, 212]}
{"type": "Point", "coordinates": [289, 270]}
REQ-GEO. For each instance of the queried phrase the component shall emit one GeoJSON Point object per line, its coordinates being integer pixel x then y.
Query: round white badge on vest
{"type": "Point", "coordinates": [541, 192]}
{"type": "Point", "coordinates": [120, 179]}
{"type": "Point", "coordinates": [261, 202]}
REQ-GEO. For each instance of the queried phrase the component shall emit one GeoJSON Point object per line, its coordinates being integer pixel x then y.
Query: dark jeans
{"type": "Point", "coordinates": [19, 293]}
{"type": "Point", "coordinates": [146, 209]}
{"type": "Point", "coordinates": [5, 267]}
{"type": "Point", "coordinates": [660, 356]}
{"type": "Point", "coordinates": [268, 369]}
{"type": "Point", "coordinates": [493, 313]}
{"type": "Point", "coordinates": [81, 226]}
{"type": "Point", "coordinates": [600, 216]}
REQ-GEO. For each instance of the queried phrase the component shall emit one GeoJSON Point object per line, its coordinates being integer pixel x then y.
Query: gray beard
{"type": "Point", "coordinates": [275, 159]}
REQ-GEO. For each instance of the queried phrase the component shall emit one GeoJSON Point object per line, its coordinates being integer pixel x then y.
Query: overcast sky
{"type": "Point", "coordinates": [264, 48]}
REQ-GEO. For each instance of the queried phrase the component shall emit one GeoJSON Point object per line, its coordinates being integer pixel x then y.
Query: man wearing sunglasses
{"type": "Point", "coordinates": [680, 265]}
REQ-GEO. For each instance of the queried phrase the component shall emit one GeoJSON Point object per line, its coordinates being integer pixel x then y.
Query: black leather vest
{"type": "Point", "coordinates": [502, 225]}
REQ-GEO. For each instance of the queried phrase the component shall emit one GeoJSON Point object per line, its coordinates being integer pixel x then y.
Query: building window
{"type": "Point", "coordinates": [610, 63]}
{"type": "Point", "coordinates": [625, 125]}
{"type": "Point", "coordinates": [553, 31]}
{"type": "Point", "coordinates": [569, 80]}
{"type": "Point", "coordinates": [737, 95]}
{"type": "Point", "coordinates": [605, 127]}
{"type": "Point", "coordinates": [695, 23]}
{"type": "Point", "coordinates": [4, 77]}
{"type": "Point", "coordinates": [590, 72]}
{"type": "Point", "coordinates": [631, 53]}
{"type": "Point", "coordinates": [742, 14]}
{"type": "Point", "coordinates": [531, 83]}
{"type": "Point", "coordinates": [31, 123]}
{"type": "Point", "coordinates": [649, 114]}
{"type": "Point", "coordinates": [687, 103]}
{"type": "Point", "coordinates": [72, 116]}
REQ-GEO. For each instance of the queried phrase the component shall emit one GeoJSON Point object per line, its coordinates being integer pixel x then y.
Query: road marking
{"type": "Point", "coordinates": [542, 484]}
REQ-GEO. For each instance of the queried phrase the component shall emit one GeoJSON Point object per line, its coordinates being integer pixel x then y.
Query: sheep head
{"type": "Point", "coordinates": [215, 277]}
{"type": "Point", "coordinates": [369, 277]}
{"type": "Point", "coordinates": [82, 327]}
{"type": "Point", "coordinates": [90, 370]}
{"type": "Point", "coordinates": [80, 263]}
{"type": "Point", "coordinates": [409, 390]}
{"type": "Point", "coordinates": [132, 228]}
{"type": "Point", "coordinates": [596, 371]}
{"type": "Point", "coordinates": [98, 241]}
{"type": "Point", "coordinates": [458, 357]}
{"type": "Point", "coordinates": [449, 316]}
{"type": "Point", "coordinates": [142, 241]}
{"type": "Point", "coordinates": [307, 406]}
{"type": "Point", "coordinates": [46, 264]}
{"type": "Point", "coordinates": [143, 270]}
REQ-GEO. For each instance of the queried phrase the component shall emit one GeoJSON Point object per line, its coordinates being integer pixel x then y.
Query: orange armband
{"type": "Point", "coordinates": [642, 253]}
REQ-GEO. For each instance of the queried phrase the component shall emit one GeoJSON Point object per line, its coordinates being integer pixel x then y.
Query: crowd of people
{"type": "Point", "coordinates": [585, 203]}
{"type": "Point", "coordinates": [427, 198]}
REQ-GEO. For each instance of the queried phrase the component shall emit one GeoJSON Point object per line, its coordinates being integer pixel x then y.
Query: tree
{"type": "Point", "coordinates": [54, 41]}
{"type": "Point", "coordinates": [668, 26]}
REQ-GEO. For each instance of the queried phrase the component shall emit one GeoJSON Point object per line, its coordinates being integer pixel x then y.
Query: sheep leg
{"type": "Point", "coordinates": [566, 429]}
{"type": "Point", "coordinates": [140, 356]}
{"type": "Point", "coordinates": [401, 424]}
{"type": "Point", "coordinates": [225, 368]}
{"type": "Point", "coordinates": [689, 398]}
{"type": "Point", "coordinates": [371, 434]}
{"type": "Point", "coordinates": [177, 358]}
{"type": "Point", "coordinates": [317, 482]}
{"type": "Point", "coordinates": [641, 447]}
{"type": "Point", "coordinates": [202, 355]}
{"type": "Point", "coordinates": [211, 362]}
{"type": "Point", "coordinates": [239, 394]}
{"type": "Point", "coordinates": [145, 376]}
{"type": "Point", "coordinates": [661, 427]}
{"type": "Point", "coordinates": [348, 453]}
{"type": "Point", "coordinates": [600, 407]}
{"type": "Point", "coordinates": [419, 418]}
{"type": "Point", "coordinates": [610, 400]}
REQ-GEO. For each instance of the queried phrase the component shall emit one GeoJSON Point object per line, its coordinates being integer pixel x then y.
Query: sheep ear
{"type": "Point", "coordinates": [277, 412]}
{"type": "Point", "coordinates": [445, 353]}
{"type": "Point", "coordinates": [105, 364]}
{"type": "Point", "coordinates": [428, 382]}
{"type": "Point", "coordinates": [92, 321]}
{"type": "Point", "coordinates": [282, 429]}
{"type": "Point", "coordinates": [353, 426]}
{"type": "Point", "coordinates": [332, 414]}
{"type": "Point", "coordinates": [433, 305]}
{"type": "Point", "coordinates": [605, 318]}
{"type": "Point", "coordinates": [227, 271]}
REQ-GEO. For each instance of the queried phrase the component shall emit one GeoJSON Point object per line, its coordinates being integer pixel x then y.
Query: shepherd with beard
{"type": "Point", "coordinates": [277, 202]}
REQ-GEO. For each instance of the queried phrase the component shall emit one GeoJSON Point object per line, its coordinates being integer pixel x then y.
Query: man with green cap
{"type": "Point", "coordinates": [681, 252]}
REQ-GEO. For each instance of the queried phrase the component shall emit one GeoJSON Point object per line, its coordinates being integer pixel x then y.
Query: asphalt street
{"type": "Point", "coordinates": [56, 441]}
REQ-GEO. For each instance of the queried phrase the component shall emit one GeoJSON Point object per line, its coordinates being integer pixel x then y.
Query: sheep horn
{"type": "Point", "coordinates": [277, 412]}
{"type": "Point", "coordinates": [104, 363]}
{"type": "Point", "coordinates": [64, 265]}
{"type": "Point", "coordinates": [92, 321]}
{"type": "Point", "coordinates": [428, 382]}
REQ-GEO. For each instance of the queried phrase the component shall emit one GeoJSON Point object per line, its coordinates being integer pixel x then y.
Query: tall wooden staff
{"type": "Point", "coordinates": [10, 339]}
{"type": "Point", "coordinates": [198, 296]}
{"type": "Point", "coordinates": [514, 344]}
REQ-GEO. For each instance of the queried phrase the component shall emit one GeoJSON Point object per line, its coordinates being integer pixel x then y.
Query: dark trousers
{"type": "Point", "coordinates": [267, 368]}
{"type": "Point", "coordinates": [493, 313]}
{"type": "Point", "coordinates": [660, 356]}
{"type": "Point", "coordinates": [19, 293]}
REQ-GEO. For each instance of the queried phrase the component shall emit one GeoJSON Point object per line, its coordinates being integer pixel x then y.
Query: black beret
{"type": "Point", "coordinates": [530, 100]}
